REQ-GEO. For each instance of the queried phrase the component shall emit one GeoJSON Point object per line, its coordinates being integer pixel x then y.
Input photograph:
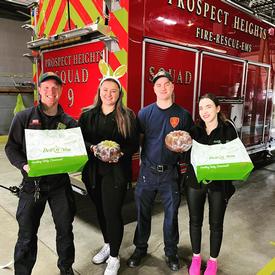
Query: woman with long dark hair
{"type": "Point", "coordinates": [106, 182]}
{"type": "Point", "coordinates": [213, 128]}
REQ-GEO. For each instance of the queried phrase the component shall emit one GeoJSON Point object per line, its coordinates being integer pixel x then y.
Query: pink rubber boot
{"type": "Point", "coordinates": [212, 267]}
{"type": "Point", "coordinates": [195, 268]}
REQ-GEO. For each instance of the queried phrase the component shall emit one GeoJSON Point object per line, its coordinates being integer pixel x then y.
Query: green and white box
{"type": "Point", "coordinates": [229, 161]}
{"type": "Point", "coordinates": [55, 151]}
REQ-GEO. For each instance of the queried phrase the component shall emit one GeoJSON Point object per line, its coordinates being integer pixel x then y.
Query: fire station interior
{"type": "Point", "coordinates": [248, 246]}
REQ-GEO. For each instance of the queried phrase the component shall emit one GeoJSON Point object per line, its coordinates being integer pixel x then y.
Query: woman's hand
{"type": "Point", "coordinates": [92, 147]}
{"type": "Point", "coordinates": [26, 168]}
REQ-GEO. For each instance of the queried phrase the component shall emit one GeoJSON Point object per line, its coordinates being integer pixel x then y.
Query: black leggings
{"type": "Point", "coordinates": [217, 205]}
{"type": "Point", "coordinates": [108, 200]}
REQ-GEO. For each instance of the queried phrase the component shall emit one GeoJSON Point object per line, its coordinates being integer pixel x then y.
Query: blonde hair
{"type": "Point", "coordinates": [122, 112]}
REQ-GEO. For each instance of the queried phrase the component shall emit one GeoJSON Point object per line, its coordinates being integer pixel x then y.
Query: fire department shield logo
{"type": "Point", "coordinates": [174, 121]}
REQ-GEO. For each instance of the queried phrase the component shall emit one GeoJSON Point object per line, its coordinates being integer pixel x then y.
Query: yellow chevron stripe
{"type": "Point", "coordinates": [122, 56]}
{"type": "Point", "coordinates": [91, 9]}
{"type": "Point", "coordinates": [52, 16]}
{"type": "Point", "coordinates": [122, 16]}
{"type": "Point", "coordinates": [76, 18]}
{"type": "Point", "coordinates": [41, 17]}
{"type": "Point", "coordinates": [62, 22]}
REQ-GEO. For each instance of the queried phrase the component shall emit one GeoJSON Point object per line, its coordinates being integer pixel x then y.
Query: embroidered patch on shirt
{"type": "Point", "coordinates": [174, 121]}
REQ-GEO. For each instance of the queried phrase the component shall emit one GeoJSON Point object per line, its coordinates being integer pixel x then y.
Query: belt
{"type": "Point", "coordinates": [161, 168]}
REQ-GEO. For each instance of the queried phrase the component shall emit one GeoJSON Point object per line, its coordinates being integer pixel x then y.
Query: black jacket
{"type": "Point", "coordinates": [122, 170]}
{"type": "Point", "coordinates": [224, 132]}
{"type": "Point", "coordinates": [34, 118]}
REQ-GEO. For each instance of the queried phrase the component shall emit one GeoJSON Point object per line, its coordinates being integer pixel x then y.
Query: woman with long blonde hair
{"type": "Point", "coordinates": [106, 181]}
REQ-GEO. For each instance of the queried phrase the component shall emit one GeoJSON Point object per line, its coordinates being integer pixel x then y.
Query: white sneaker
{"type": "Point", "coordinates": [113, 265]}
{"type": "Point", "coordinates": [102, 255]}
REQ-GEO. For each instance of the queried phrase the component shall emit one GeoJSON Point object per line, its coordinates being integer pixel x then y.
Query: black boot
{"type": "Point", "coordinates": [173, 262]}
{"type": "Point", "coordinates": [135, 259]}
{"type": "Point", "coordinates": [67, 271]}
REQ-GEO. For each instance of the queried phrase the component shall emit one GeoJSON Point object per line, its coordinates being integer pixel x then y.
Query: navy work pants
{"type": "Point", "coordinates": [150, 183]}
{"type": "Point", "coordinates": [29, 213]}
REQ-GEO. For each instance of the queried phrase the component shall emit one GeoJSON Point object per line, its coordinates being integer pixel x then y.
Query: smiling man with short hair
{"type": "Point", "coordinates": [36, 192]}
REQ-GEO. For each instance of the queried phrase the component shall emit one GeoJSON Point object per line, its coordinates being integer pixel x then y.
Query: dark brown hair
{"type": "Point", "coordinates": [216, 101]}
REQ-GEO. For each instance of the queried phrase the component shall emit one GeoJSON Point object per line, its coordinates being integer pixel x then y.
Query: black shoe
{"type": "Point", "coordinates": [173, 262]}
{"type": "Point", "coordinates": [135, 259]}
{"type": "Point", "coordinates": [68, 271]}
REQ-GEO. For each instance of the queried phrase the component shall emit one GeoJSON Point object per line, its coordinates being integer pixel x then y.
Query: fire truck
{"type": "Point", "coordinates": [207, 46]}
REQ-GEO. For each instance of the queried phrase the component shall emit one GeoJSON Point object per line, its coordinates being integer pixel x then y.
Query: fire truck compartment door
{"type": "Point", "coordinates": [224, 76]}
{"type": "Point", "coordinates": [257, 116]}
{"type": "Point", "coordinates": [180, 61]}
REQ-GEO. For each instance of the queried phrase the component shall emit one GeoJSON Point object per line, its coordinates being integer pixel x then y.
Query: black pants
{"type": "Point", "coordinates": [29, 212]}
{"type": "Point", "coordinates": [108, 200]}
{"type": "Point", "coordinates": [217, 205]}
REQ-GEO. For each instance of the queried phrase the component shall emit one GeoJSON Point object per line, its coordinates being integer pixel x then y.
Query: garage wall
{"type": "Point", "coordinates": [7, 104]}
{"type": "Point", "coordinates": [14, 68]}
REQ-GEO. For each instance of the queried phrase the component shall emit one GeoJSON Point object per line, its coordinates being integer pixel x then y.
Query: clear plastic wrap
{"type": "Point", "coordinates": [107, 151]}
{"type": "Point", "coordinates": [178, 141]}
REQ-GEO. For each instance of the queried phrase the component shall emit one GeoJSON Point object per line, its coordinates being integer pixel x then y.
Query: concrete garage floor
{"type": "Point", "coordinates": [248, 244]}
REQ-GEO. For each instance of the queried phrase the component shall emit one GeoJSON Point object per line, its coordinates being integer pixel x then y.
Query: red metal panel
{"type": "Point", "coordinates": [223, 77]}
{"type": "Point", "coordinates": [229, 81]}
{"type": "Point", "coordinates": [180, 63]}
{"type": "Point", "coordinates": [135, 37]}
{"type": "Point", "coordinates": [212, 25]}
{"type": "Point", "coordinates": [78, 68]}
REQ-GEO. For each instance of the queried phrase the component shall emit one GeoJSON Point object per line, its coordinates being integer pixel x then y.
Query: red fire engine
{"type": "Point", "coordinates": [207, 45]}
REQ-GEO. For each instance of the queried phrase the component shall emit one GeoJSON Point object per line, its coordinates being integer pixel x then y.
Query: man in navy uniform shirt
{"type": "Point", "coordinates": [158, 171]}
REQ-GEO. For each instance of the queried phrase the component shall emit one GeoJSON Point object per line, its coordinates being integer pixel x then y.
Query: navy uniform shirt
{"type": "Point", "coordinates": [155, 123]}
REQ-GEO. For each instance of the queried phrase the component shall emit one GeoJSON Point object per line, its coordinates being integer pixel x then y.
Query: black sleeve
{"type": "Point", "coordinates": [131, 144]}
{"type": "Point", "coordinates": [83, 124]}
{"type": "Point", "coordinates": [194, 132]}
{"type": "Point", "coordinates": [15, 145]}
